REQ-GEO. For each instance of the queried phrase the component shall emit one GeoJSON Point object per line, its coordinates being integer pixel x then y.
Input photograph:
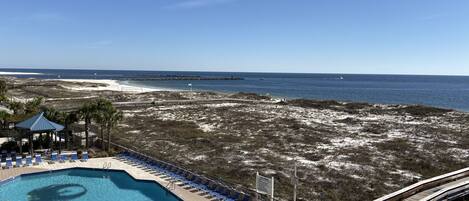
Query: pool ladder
{"type": "Point", "coordinates": [106, 166]}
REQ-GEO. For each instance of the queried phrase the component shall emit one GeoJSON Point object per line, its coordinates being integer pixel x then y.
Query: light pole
{"type": "Point", "coordinates": [295, 182]}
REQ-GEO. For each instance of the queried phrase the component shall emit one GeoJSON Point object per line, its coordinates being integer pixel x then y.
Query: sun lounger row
{"type": "Point", "coordinates": [186, 179]}
{"type": "Point", "coordinates": [28, 160]}
{"type": "Point", "coordinates": [61, 158]}
{"type": "Point", "coordinates": [21, 162]}
{"type": "Point", "coordinates": [4, 154]}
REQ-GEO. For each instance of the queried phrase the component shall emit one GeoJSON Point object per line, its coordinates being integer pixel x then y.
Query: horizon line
{"type": "Point", "coordinates": [208, 71]}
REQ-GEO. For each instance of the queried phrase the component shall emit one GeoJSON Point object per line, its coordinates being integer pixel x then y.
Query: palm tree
{"type": "Point", "coordinates": [65, 118]}
{"type": "Point", "coordinates": [55, 116]}
{"type": "Point", "coordinates": [15, 106]}
{"type": "Point", "coordinates": [70, 118]}
{"type": "Point", "coordinates": [86, 112]}
{"type": "Point", "coordinates": [113, 117]}
{"type": "Point", "coordinates": [33, 105]}
{"type": "Point", "coordinates": [99, 118]}
{"type": "Point", "coordinates": [3, 118]}
{"type": "Point", "coordinates": [102, 106]}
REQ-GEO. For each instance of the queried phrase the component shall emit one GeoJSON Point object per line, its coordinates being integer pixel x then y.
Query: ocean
{"type": "Point", "coordinates": [439, 91]}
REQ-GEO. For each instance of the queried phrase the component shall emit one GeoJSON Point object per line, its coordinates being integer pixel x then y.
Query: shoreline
{"type": "Point", "coordinates": [18, 73]}
{"type": "Point", "coordinates": [111, 85]}
{"type": "Point", "coordinates": [114, 84]}
{"type": "Point", "coordinates": [126, 87]}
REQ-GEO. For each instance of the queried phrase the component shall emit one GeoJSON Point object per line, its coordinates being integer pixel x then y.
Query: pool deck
{"type": "Point", "coordinates": [8, 173]}
{"type": "Point", "coordinates": [134, 171]}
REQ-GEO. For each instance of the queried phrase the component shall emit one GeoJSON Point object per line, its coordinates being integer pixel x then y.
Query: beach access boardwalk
{"type": "Point", "coordinates": [98, 163]}
{"type": "Point", "coordinates": [451, 185]}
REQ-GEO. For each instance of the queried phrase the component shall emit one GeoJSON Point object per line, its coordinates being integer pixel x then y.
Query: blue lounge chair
{"type": "Point", "coordinates": [13, 154]}
{"type": "Point", "coordinates": [9, 163]}
{"type": "Point", "coordinates": [19, 161]}
{"type": "Point", "coordinates": [234, 195]}
{"type": "Point", "coordinates": [246, 197]}
{"type": "Point", "coordinates": [63, 158]}
{"type": "Point", "coordinates": [4, 155]}
{"type": "Point", "coordinates": [74, 157]}
{"type": "Point", "coordinates": [29, 161]}
{"type": "Point", "coordinates": [38, 159]}
{"type": "Point", "coordinates": [53, 157]}
{"type": "Point", "coordinates": [84, 156]}
{"type": "Point", "coordinates": [211, 189]}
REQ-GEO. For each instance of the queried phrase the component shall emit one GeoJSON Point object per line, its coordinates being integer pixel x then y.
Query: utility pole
{"type": "Point", "coordinates": [295, 182]}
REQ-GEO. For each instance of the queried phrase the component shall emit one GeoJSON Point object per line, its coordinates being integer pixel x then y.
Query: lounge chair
{"type": "Point", "coordinates": [19, 161]}
{"type": "Point", "coordinates": [38, 159]}
{"type": "Point", "coordinates": [199, 184]}
{"type": "Point", "coordinates": [13, 154]}
{"type": "Point", "coordinates": [53, 158]}
{"type": "Point", "coordinates": [84, 156]}
{"type": "Point", "coordinates": [29, 161]}
{"type": "Point", "coordinates": [63, 158]}
{"type": "Point", "coordinates": [4, 155]}
{"type": "Point", "coordinates": [223, 190]}
{"type": "Point", "coordinates": [9, 163]}
{"type": "Point", "coordinates": [212, 190]}
{"type": "Point", "coordinates": [246, 197]}
{"type": "Point", "coordinates": [234, 195]}
{"type": "Point", "coordinates": [74, 157]}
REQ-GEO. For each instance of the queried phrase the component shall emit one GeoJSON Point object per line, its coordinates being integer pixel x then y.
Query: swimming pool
{"type": "Point", "coordinates": [82, 184]}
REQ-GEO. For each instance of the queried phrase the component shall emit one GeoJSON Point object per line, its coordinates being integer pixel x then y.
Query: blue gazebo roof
{"type": "Point", "coordinates": [39, 123]}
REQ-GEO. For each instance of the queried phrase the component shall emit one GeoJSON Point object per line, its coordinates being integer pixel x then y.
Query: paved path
{"type": "Point", "coordinates": [134, 171]}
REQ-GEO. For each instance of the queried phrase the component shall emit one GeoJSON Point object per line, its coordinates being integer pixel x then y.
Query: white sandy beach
{"type": "Point", "coordinates": [19, 73]}
{"type": "Point", "coordinates": [111, 85]}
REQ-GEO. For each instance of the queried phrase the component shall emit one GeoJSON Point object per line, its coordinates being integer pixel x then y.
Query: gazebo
{"type": "Point", "coordinates": [38, 124]}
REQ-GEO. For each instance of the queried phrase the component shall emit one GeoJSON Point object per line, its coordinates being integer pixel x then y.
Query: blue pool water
{"type": "Point", "coordinates": [80, 184]}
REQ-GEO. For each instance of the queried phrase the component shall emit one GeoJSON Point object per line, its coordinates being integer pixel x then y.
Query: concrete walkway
{"type": "Point", "coordinates": [134, 171]}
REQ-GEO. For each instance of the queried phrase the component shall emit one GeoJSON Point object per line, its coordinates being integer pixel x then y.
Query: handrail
{"type": "Point", "coordinates": [106, 165]}
{"type": "Point", "coordinates": [425, 185]}
{"type": "Point", "coordinates": [444, 192]}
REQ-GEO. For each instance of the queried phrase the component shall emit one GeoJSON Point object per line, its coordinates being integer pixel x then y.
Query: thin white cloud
{"type": "Point", "coordinates": [187, 4]}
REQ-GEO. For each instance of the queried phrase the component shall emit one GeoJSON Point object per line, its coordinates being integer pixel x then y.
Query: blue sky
{"type": "Point", "coordinates": [316, 36]}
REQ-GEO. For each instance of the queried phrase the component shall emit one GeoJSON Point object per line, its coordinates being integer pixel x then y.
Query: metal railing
{"type": "Point", "coordinates": [235, 187]}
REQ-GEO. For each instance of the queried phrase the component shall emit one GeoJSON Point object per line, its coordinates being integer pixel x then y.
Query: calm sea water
{"type": "Point", "coordinates": [439, 91]}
